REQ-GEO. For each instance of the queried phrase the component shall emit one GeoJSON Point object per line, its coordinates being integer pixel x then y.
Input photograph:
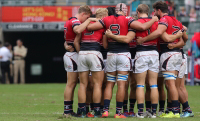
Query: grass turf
{"type": "Point", "coordinates": [44, 102]}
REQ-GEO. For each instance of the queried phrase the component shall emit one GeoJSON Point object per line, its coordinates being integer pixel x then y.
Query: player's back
{"type": "Point", "coordinates": [119, 25]}
{"type": "Point", "coordinates": [91, 40]}
{"type": "Point", "coordinates": [149, 45]}
{"type": "Point", "coordinates": [173, 26]}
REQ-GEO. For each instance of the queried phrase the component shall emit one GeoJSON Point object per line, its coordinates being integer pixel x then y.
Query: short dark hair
{"type": "Point", "coordinates": [111, 11]}
{"type": "Point", "coordinates": [6, 44]}
{"type": "Point", "coordinates": [20, 40]}
{"type": "Point", "coordinates": [161, 5]}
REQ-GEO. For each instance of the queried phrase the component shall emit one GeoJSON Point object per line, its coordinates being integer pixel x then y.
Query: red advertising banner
{"type": "Point", "coordinates": [40, 13]}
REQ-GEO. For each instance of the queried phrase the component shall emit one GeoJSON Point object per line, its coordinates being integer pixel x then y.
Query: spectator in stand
{"type": "Point", "coordinates": [172, 9]}
{"type": "Point", "coordinates": [182, 12]}
{"type": "Point", "coordinates": [197, 6]}
{"type": "Point", "coordinates": [193, 15]}
{"type": "Point", "coordinates": [188, 5]}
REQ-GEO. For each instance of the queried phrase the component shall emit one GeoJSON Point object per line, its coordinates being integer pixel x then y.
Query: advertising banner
{"type": "Point", "coordinates": [41, 13]}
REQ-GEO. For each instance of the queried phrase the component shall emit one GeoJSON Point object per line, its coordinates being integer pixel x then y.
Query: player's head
{"type": "Point", "coordinates": [121, 8]}
{"type": "Point", "coordinates": [142, 9]}
{"type": "Point", "coordinates": [111, 11]}
{"type": "Point", "coordinates": [160, 7]}
{"type": "Point", "coordinates": [101, 12]}
{"type": "Point", "coordinates": [84, 12]}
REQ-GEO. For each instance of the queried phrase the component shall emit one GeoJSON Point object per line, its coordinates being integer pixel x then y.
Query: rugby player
{"type": "Point", "coordinates": [72, 31]}
{"type": "Point", "coordinates": [90, 59]}
{"type": "Point", "coordinates": [170, 60]}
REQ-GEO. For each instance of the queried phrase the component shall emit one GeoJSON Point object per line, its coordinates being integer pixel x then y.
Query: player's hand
{"type": "Point", "coordinates": [93, 19]}
{"type": "Point", "coordinates": [180, 33]}
{"type": "Point", "coordinates": [108, 33]}
{"type": "Point", "coordinates": [140, 40]}
{"type": "Point", "coordinates": [185, 28]}
{"type": "Point", "coordinates": [155, 18]}
{"type": "Point", "coordinates": [170, 46]}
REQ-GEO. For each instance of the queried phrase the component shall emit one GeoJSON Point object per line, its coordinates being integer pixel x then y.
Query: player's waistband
{"type": "Point", "coordinates": [164, 48]}
{"type": "Point", "coordinates": [85, 46]}
{"type": "Point", "coordinates": [146, 48]}
{"type": "Point", "coordinates": [116, 47]}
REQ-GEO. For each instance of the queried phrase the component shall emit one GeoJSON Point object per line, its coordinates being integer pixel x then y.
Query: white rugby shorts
{"type": "Point", "coordinates": [70, 61]}
{"type": "Point", "coordinates": [90, 61]}
{"type": "Point", "coordinates": [183, 68]}
{"type": "Point", "coordinates": [146, 60]}
{"type": "Point", "coordinates": [171, 61]}
{"type": "Point", "coordinates": [118, 62]}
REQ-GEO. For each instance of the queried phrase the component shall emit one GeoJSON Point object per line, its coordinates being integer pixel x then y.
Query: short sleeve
{"type": "Point", "coordinates": [75, 23]}
{"type": "Point", "coordinates": [102, 21]}
{"type": "Point", "coordinates": [130, 20]}
{"type": "Point", "coordinates": [163, 21]}
{"type": "Point", "coordinates": [130, 29]}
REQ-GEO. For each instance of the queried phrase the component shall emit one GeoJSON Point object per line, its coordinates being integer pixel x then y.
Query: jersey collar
{"type": "Point", "coordinates": [72, 18]}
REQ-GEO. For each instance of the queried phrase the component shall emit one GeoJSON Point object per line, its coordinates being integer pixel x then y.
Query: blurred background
{"type": "Point", "coordinates": [39, 24]}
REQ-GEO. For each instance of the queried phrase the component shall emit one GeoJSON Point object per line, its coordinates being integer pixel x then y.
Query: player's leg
{"type": "Point", "coordinates": [103, 90]}
{"type": "Point", "coordinates": [147, 98]}
{"type": "Point", "coordinates": [125, 103]}
{"type": "Point", "coordinates": [162, 95]}
{"type": "Point", "coordinates": [120, 95]}
{"type": "Point", "coordinates": [152, 78]}
{"type": "Point", "coordinates": [111, 78]}
{"type": "Point", "coordinates": [132, 96]}
{"type": "Point", "coordinates": [72, 76]}
{"type": "Point", "coordinates": [170, 63]}
{"type": "Point", "coordinates": [89, 97]}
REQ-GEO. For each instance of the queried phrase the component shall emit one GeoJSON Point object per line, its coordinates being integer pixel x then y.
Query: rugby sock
{"type": "Point", "coordinates": [148, 106]}
{"type": "Point", "coordinates": [179, 107]}
{"type": "Point", "coordinates": [97, 108]}
{"type": "Point", "coordinates": [119, 107]}
{"type": "Point", "coordinates": [82, 108]}
{"type": "Point", "coordinates": [101, 108]}
{"type": "Point", "coordinates": [154, 108]}
{"type": "Point", "coordinates": [186, 107]}
{"type": "Point", "coordinates": [67, 107]}
{"type": "Point", "coordinates": [132, 103]}
{"type": "Point", "coordinates": [140, 108]}
{"type": "Point", "coordinates": [169, 107]}
{"type": "Point", "coordinates": [87, 107]}
{"type": "Point", "coordinates": [72, 102]}
{"type": "Point", "coordinates": [161, 105]}
{"type": "Point", "coordinates": [91, 107]}
{"type": "Point", "coordinates": [106, 105]}
{"type": "Point", "coordinates": [175, 106]}
{"type": "Point", "coordinates": [125, 106]}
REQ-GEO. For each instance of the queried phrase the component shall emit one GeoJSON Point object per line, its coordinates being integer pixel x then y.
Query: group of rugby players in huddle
{"type": "Point", "coordinates": [131, 51]}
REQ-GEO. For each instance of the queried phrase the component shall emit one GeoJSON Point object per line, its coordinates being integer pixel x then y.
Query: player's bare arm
{"type": "Point", "coordinates": [79, 29]}
{"type": "Point", "coordinates": [170, 38]}
{"type": "Point", "coordinates": [77, 42]}
{"type": "Point", "coordinates": [95, 26]}
{"type": "Point", "coordinates": [143, 26]}
{"type": "Point", "coordinates": [120, 38]}
{"type": "Point", "coordinates": [159, 31]}
{"type": "Point", "coordinates": [180, 44]}
{"type": "Point", "coordinates": [105, 42]}
{"type": "Point", "coordinates": [68, 47]}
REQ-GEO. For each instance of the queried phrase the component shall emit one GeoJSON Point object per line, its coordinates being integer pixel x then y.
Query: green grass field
{"type": "Point", "coordinates": [44, 102]}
